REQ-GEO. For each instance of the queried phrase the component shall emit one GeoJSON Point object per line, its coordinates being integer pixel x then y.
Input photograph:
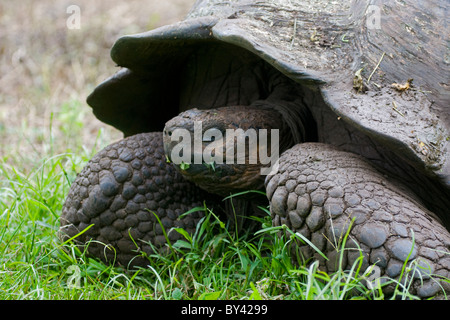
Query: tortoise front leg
{"type": "Point", "coordinates": [119, 191]}
{"type": "Point", "coordinates": [320, 192]}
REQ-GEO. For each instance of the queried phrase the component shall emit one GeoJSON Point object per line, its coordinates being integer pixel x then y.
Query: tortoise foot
{"type": "Point", "coordinates": [321, 193]}
{"type": "Point", "coordinates": [119, 192]}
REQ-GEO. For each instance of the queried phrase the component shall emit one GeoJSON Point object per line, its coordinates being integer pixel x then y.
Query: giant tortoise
{"type": "Point", "coordinates": [358, 91]}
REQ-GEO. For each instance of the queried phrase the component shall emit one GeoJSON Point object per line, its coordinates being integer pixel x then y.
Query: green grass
{"type": "Point", "coordinates": [213, 263]}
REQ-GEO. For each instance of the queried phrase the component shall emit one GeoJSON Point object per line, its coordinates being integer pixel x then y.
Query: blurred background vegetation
{"type": "Point", "coordinates": [47, 70]}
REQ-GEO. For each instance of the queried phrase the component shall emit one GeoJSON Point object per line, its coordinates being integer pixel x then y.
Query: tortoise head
{"type": "Point", "coordinates": [228, 149]}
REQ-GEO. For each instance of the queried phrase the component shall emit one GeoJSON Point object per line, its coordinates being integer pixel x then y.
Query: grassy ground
{"type": "Point", "coordinates": [48, 133]}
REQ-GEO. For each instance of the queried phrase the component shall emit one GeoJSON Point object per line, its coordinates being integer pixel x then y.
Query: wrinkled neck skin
{"type": "Point", "coordinates": [257, 97]}
{"type": "Point", "coordinates": [224, 150]}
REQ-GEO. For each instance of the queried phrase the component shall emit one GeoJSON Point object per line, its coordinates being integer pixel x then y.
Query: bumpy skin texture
{"type": "Point", "coordinates": [319, 189]}
{"type": "Point", "coordinates": [118, 190]}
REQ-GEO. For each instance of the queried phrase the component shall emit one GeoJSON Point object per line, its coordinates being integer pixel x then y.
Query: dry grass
{"type": "Point", "coordinates": [47, 70]}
